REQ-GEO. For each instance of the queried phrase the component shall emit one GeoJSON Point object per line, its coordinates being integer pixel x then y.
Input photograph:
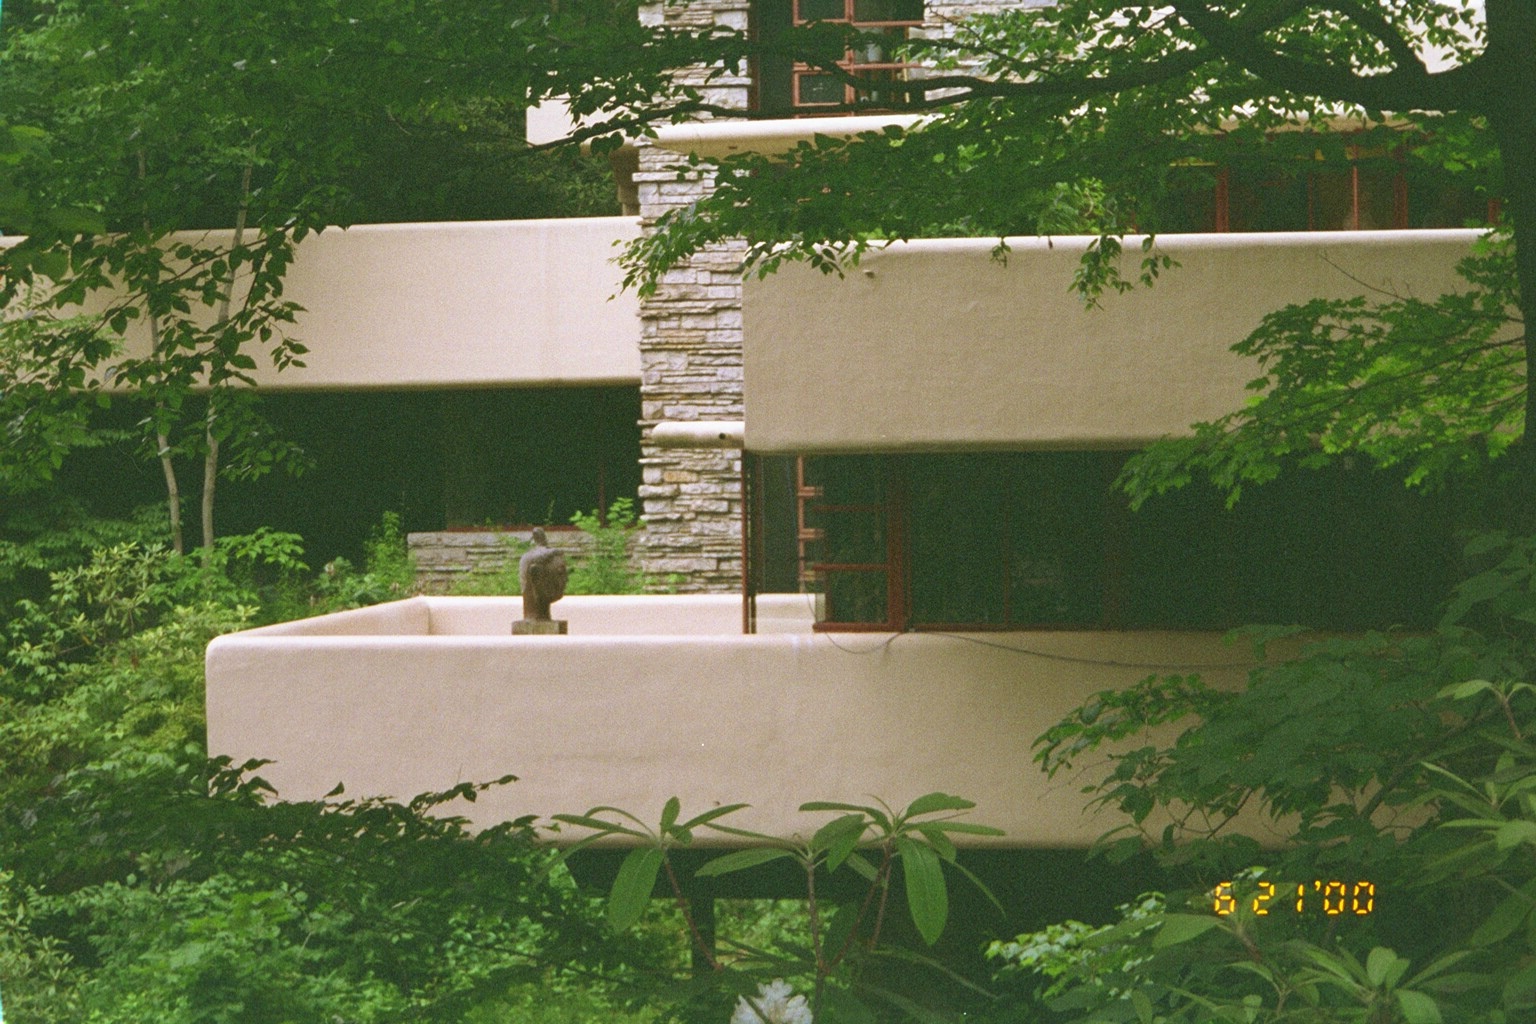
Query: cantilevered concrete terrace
{"type": "Point", "coordinates": [653, 697]}
{"type": "Point", "coordinates": [455, 305]}
{"type": "Point", "coordinates": [928, 346]}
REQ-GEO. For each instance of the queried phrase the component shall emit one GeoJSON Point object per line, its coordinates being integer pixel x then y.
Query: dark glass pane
{"type": "Point", "coordinates": [820, 10]}
{"type": "Point", "coordinates": [848, 480]}
{"type": "Point", "coordinates": [1377, 198]}
{"type": "Point", "coordinates": [956, 504]}
{"type": "Point", "coordinates": [1340, 548]}
{"type": "Point", "coordinates": [856, 537]}
{"type": "Point", "coordinates": [818, 88]}
{"type": "Point", "coordinates": [877, 47]}
{"type": "Point", "coordinates": [887, 10]}
{"type": "Point", "coordinates": [1056, 538]}
{"type": "Point", "coordinates": [849, 512]}
{"type": "Point", "coordinates": [1267, 201]}
{"type": "Point", "coordinates": [875, 88]}
{"type": "Point", "coordinates": [775, 548]}
{"type": "Point", "coordinates": [1190, 203]}
{"type": "Point", "coordinates": [1437, 200]}
{"type": "Point", "coordinates": [856, 597]}
{"type": "Point", "coordinates": [1333, 201]}
{"type": "Point", "coordinates": [772, 70]}
{"type": "Point", "coordinates": [1012, 539]}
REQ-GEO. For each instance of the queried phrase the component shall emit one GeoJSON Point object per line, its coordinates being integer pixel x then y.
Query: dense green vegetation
{"type": "Point", "coordinates": [139, 881]}
{"type": "Point", "coordinates": [261, 123]}
{"type": "Point", "coordinates": [143, 881]}
{"type": "Point", "coordinates": [1399, 772]}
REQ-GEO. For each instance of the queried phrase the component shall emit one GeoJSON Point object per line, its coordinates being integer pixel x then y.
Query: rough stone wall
{"type": "Point", "coordinates": [690, 364]}
{"type": "Point", "coordinates": [690, 343]}
{"type": "Point", "coordinates": [444, 557]}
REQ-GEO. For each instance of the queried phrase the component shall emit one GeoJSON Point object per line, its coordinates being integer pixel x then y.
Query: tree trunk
{"type": "Point", "coordinates": [210, 480]}
{"type": "Point", "coordinates": [163, 452]}
{"type": "Point", "coordinates": [1509, 102]}
{"type": "Point", "coordinates": [210, 437]}
{"type": "Point", "coordinates": [162, 440]}
{"type": "Point", "coordinates": [172, 493]}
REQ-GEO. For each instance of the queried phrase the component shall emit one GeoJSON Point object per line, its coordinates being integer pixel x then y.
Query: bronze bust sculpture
{"type": "Point", "coordinates": [542, 574]}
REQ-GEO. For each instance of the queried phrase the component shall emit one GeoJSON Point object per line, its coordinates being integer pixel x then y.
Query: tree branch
{"type": "Point", "coordinates": [1402, 89]}
{"type": "Point", "coordinates": [1372, 21]}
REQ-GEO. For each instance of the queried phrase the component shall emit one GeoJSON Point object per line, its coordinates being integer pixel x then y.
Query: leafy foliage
{"type": "Point", "coordinates": [874, 842]}
{"type": "Point", "coordinates": [145, 881]}
{"type": "Point", "coordinates": [1437, 387]}
{"type": "Point", "coordinates": [605, 564]}
{"type": "Point", "coordinates": [1405, 760]}
{"type": "Point", "coordinates": [1095, 118]}
{"type": "Point", "coordinates": [607, 567]}
{"type": "Point", "coordinates": [1108, 107]}
{"type": "Point", "coordinates": [211, 138]}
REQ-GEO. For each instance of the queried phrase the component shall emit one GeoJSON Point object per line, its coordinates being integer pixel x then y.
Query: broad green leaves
{"type": "Point", "coordinates": [144, 882]}
{"type": "Point", "coordinates": [1405, 759]}
{"type": "Point", "coordinates": [916, 839]}
{"type": "Point", "coordinates": [633, 885]}
{"type": "Point", "coordinates": [1434, 387]}
{"type": "Point", "coordinates": [157, 120]}
{"type": "Point", "coordinates": [873, 842]}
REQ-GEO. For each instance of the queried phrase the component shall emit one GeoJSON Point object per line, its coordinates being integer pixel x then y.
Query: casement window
{"type": "Point", "coordinates": [883, 26]}
{"type": "Point", "coordinates": [1041, 541]}
{"type": "Point", "coordinates": [1372, 191]}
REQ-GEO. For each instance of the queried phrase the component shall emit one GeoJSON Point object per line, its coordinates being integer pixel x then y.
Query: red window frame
{"type": "Point", "coordinates": [877, 69]}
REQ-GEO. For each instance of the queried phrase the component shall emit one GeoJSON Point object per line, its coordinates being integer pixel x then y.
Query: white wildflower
{"type": "Point", "coordinates": [776, 1003]}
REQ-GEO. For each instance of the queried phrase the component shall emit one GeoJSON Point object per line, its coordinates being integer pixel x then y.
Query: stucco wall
{"type": "Point", "coordinates": [936, 344]}
{"type": "Point", "coordinates": [631, 720]}
{"type": "Point", "coordinates": [459, 305]}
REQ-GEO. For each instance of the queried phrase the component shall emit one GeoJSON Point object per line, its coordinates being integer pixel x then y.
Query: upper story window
{"type": "Point", "coordinates": [883, 26]}
{"type": "Point", "coordinates": [1040, 540]}
{"type": "Point", "coordinates": [1372, 190]}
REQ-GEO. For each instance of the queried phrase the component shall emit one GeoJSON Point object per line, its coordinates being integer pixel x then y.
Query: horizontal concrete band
{"type": "Point", "coordinates": [949, 344]}
{"type": "Point", "coordinates": [632, 720]}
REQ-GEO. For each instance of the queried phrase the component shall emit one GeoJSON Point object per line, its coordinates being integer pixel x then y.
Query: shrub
{"type": "Point", "coordinates": [604, 567]}
{"type": "Point", "coordinates": [607, 567]}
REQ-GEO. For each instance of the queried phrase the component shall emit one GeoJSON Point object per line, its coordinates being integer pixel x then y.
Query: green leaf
{"type": "Point", "coordinates": [927, 895]}
{"type": "Point", "coordinates": [964, 827]}
{"type": "Point", "coordinates": [669, 814]}
{"type": "Point", "coordinates": [1461, 691]}
{"type": "Point", "coordinates": [709, 816]}
{"type": "Point", "coordinates": [1179, 928]}
{"type": "Point", "coordinates": [1520, 990]}
{"type": "Point", "coordinates": [1506, 917]}
{"type": "Point", "coordinates": [880, 818]}
{"type": "Point", "coordinates": [1384, 968]}
{"type": "Point", "coordinates": [939, 841]}
{"type": "Point", "coordinates": [1513, 833]}
{"type": "Point", "coordinates": [739, 861]}
{"type": "Point", "coordinates": [935, 802]}
{"type": "Point", "coordinates": [839, 838]}
{"type": "Point", "coordinates": [745, 833]}
{"type": "Point", "coordinates": [839, 930]}
{"type": "Point", "coordinates": [1418, 1008]}
{"type": "Point", "coordinates": [842, 1006]}
{"type": "Point", "coordinates": [862, 867]}
{"type": "Point", "coordinates": [632, 887]}
{"type": "Point", "coordinates": [598, 824]}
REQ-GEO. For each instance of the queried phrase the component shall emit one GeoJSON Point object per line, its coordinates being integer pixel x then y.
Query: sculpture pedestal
{"type": "Point", "coordinates": [539, 627]}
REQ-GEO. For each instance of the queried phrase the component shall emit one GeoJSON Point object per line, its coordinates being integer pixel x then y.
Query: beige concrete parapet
{"type": "Point", "coordinates": [495, 303]}
{"type": "Point", "coordinates": [423, 694]}
{"type": "Point", "coordinates": [940, 345]}
{"type": "Point", "coordinates": [719, 139]}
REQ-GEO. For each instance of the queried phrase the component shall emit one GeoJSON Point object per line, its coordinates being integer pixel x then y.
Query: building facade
{"type": "Point", "coordinates": [920, 451]}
